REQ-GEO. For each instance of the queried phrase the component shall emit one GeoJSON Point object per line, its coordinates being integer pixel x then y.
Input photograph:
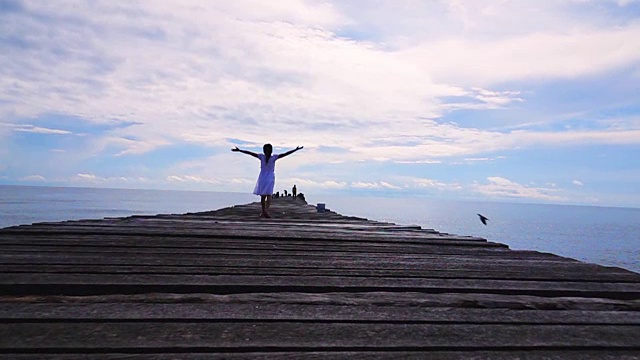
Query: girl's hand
{"type": "Point", "coordinates": [236, 149]}
{"type": "Point", "coordinates": [299, 147]}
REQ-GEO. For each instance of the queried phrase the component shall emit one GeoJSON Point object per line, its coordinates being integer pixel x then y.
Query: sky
{"type": "Point", "coordinates": [492, 100]}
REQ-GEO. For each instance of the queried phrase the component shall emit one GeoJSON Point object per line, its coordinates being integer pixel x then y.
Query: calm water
{"type": "Point", "coordinates": [29, 204]}
{"type": "Point", "coordinates": [607, 236]}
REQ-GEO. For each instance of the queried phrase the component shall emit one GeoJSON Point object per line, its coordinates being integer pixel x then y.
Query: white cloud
{"type": "Point", "coordinates": [428, 183]}
{"type": "Point", "coordinates": [418, 162]}
{"type": "Point", "coordinates": [524, 138]}
{"type": "Point", "coordinates": [35, 129]}
{"type": "Point", "coordinates": [313, 184]}
{"type": "Point", "coordinates": [277, 67]}
{"type": "Point", "coordinates": [192, 178]}
{"type": "Point", "coordinates": [33, 178]}
{"type": "Point", "coordinates": [131, 146]}
{"type": "Point", "coordinates": [407, 183]}
{"type": "Point", "coordinates": [41, 130]}
{"type": "Point", "coordinates": [557, 55]}
{"type": "Point", "coordinates": [241, 181]}
{"type": "Point", "coordinates": [577, 182]}
{"type": "Point", "coordinates": [87, 177]}
{"type": "Point", "coordinates": [486, 99]}
{"type": "Point", "coordinates": [482, 159]}
{"type": "Point", "coordinates": [365, 185]}
{"type": "Point", "coordinates": [175, 178]}
{"type": "Point", "coordinates": [500, 187]}
{"type": "Point", "coordinates": [387, 185]}
{"type": "Point", "coordinates": [374, 185]}
{"type": "Point", "coordinates": [110, 180]}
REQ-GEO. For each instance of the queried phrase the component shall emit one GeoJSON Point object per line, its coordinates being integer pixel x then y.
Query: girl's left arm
{"type": "Point", "coordinates": [236, 149]}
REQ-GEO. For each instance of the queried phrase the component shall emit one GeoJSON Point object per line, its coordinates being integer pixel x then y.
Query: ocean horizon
{"type": "Point", "coordinates": [607, 236]}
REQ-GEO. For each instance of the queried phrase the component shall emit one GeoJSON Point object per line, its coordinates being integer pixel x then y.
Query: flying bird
{"type": "Point", "coordinates": [483, 218]}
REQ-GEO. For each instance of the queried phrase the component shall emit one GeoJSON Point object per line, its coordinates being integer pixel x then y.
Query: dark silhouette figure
{"type": "Point", "coordinates": [285, 193]}
{"type": "Point", "coordinates": [267, 177]}
{"type": "Point", "coordinates": [484, 219]}
{"type": "Point", "coordinates": [294, 191]}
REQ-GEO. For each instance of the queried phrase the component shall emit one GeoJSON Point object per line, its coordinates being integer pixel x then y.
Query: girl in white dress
{"type": "Point", "coordinates": [267, 178]}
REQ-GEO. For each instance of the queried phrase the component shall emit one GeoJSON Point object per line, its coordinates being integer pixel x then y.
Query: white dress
{"type": "Point", "coordinates": [267, 178]}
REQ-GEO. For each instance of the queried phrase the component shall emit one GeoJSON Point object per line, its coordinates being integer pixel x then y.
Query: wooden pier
{"type": "Point", "coordinates": [227, 284]}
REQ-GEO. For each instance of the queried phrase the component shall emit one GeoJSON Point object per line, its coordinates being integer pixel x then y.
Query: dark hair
{"type": "Point", "coordinates": [267, 149]}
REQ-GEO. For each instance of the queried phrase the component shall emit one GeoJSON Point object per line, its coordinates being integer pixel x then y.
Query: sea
{"type": "Point", "coordinates": [607, 236]}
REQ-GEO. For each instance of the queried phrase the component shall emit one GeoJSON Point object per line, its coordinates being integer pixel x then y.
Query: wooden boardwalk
{"type": "Point", "coordinates": [227, 284]}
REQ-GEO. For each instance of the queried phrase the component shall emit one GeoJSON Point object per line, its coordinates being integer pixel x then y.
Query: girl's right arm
{"type": "Point", "coordinates": [246, 152]}
{"type": "Point", "coordinates": [290, 152]}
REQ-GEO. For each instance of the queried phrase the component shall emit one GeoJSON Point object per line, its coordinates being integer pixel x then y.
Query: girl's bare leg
{"type": "Point", "coordinates": [263, 202]}
{"type": "Point", "coordinates": [268, 205]}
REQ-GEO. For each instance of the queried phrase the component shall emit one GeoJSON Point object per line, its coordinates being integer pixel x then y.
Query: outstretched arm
{"type": "Point", "coordinates": [245, 152]}
{"type": "Point", "coordinates": [290, 152]}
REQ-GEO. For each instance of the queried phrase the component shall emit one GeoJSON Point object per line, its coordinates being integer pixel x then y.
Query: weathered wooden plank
{"type": "Point", "coordinates": [307, 266]}
{"type": "Point", "coordinates": [252, 233]}
{"type": "Point", "coordinates": [302, 227]}
{"type": "Point", "coordinates": [214, 243]}
{"type": "Point", "coordinates": [426, 272]}
{"type": "Point", "coordinates": [221, 222]}
{"type": "Point", "coordinates": [248, 231]}
{"type": "Point", "coordinates": [290, 311]}
{"type": "Point", "coordinates": [290, 258]}
{"type": "Point", "coordinates": [257, 267]}
{"type": "Point", "coordinates": [304, 335]}
{"type": "Point", "coordinates": [39, 283]}
{"type": "Point", "coordinates": [52, 252]}
{"type": "Point", "coordinates": [292, 253]}
{"type": "Point", "coordinates": [293, 219]}
{"type": "Point", "coordinates": [260, 263]}
{"type": "Point", "coordinates": [276, 251]}
{"type": "Point", "coordinates": [395, 261]}
{"type": "Point", "coordinates": [529, 354]}
{"type": "Point", "coordinates": [257, 250]}
{"type": "Point", "coordinates": [426, 240]}
{"type": "Point", "coordinates": [266, 248]}
{"type": "Point", "coordinates": [220, 234]}
{"type": "Point", "coordinates": [217, 265]}
{"type": "Point", "coordinates": [271, 233]}
{"type": "Point", "coordinates": [302, 260]}
{"type": "Point", "coordinates": [380, 298]}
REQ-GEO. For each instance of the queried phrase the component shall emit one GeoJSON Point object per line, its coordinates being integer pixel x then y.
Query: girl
{"type": "Point", "coordinates": [267, 177]}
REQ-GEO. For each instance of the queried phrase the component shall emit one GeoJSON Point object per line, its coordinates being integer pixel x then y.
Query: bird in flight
{"type": "Point", "coordinates": [483, 218]}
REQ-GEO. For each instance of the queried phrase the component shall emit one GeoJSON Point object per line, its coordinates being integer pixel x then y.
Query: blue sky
{"type": "Point", "coordinates": [529, 101]}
